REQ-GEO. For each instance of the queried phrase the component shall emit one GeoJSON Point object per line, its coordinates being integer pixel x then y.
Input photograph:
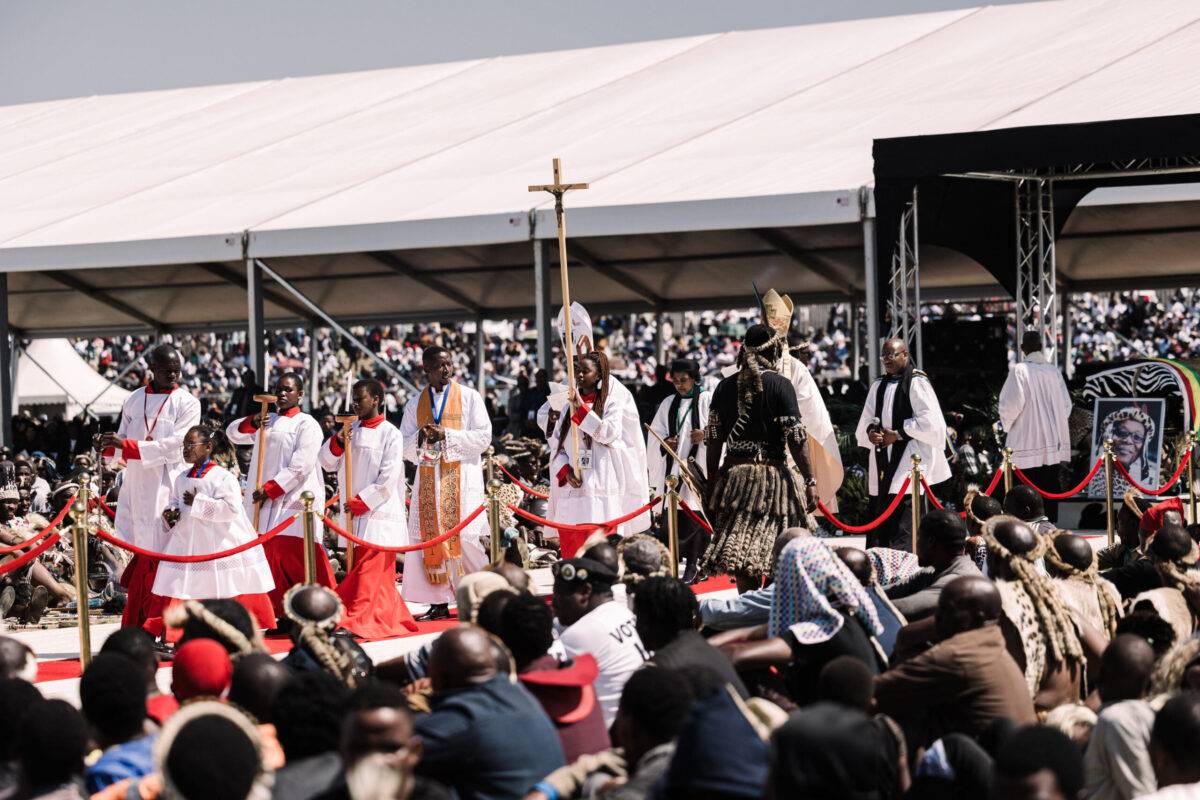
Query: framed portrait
{"type": "Point", "coordinates": [1135, 426]}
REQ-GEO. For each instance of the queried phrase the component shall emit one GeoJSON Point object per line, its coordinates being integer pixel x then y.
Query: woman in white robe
{"type": "Point", "coordinates": [205, 515]}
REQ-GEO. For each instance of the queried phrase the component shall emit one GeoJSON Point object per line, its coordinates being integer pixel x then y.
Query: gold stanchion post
{"type": "Point", "coordinates": [673, 522]}
{"type": "Point", "coordinates": [1108, 490]}
{"type": "Point", "coordinates": [79, 541]}
{"type": "Point", "coordinates": [1008, 470]}
{"type": "Point", "coordinates": [489, 464]}
{"type": "Point", "coordinates": [493, 502]}
{"type": "Point", "coordinates": [310, 539]}
{"type": "Point", "coordinates": [915, 488]}
{"type": "Point", "coordinates": [1191, 475]}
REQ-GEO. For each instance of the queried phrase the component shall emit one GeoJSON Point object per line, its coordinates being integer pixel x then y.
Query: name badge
{"type": "Point", "coordinates": [585, 460]}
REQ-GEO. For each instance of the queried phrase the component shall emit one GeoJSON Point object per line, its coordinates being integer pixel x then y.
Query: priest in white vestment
{"type": "Point", "coordinates": [681, 420]}
{"type": "Point", "coordinates": [293, 441]}
{"type": "Point", "coordinates": [149, 440]}
{"type": "Point", "coordinates": [901, 417]}
{"type": "Point", "coordinates": [1035, 408]}
{"type": "Point", "coordinates": [446, 432]}
{"type": "Point", "coordinates": [374, 607]}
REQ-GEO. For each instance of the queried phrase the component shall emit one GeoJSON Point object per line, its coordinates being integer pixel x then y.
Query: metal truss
{"type": "Point", "coordinates": [904, 307]}
{"type": "Point", "coordinates": [1037, 287]}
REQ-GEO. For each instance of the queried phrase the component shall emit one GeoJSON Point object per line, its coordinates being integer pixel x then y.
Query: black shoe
{"type": "Point", "coordinates": [37, 606]}
{"type": "Point", "coordinates": [7, 598]}
{"type": "Point", "coordinates": [435, 612]}
{"type": "Point", "coordinates": [164, 651]}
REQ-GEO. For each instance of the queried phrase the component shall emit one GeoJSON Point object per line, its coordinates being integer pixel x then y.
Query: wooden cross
{"type": "Point", "coordinates": [558, 189]}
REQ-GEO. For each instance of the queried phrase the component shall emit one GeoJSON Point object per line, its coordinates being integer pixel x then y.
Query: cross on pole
{"type": "Point", "coordinates": [558, 189]}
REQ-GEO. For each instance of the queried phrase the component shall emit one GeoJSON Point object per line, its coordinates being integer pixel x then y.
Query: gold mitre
{"type": "Point", "coordinates": [777, 310]}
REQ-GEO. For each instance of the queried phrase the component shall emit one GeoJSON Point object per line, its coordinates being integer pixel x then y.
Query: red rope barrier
{"type": "Point", "coordinates": [995, 482]}
{"type": "Point", "coordinates": [233, 551]}
{"type": "Point", "coordinates": [929, 493]}
{"type": "Point", "coordinates": [99, 501]}
{"type": "Point", "coordinates": [21, 561]}
{"type": "Point", "coordinates": [696, 518]}
{"type": "Point", "coordinates": [870, 526]}
{"type": "Point", "coordinates": [517, 482]}
{"type": "Point", "coordinates": [1162, 489]}
{"type": "Point", "coordinates": [49, 529]}
{"type": "Point", "coordinates": [408, 548]}
{"type": "Point", "coordinates": [583, 526]}
{"type": "Point", "coordinates": [1060, 495]}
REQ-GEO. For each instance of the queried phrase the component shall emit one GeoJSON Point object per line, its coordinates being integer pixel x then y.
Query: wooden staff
{"type": "Point", "coordinates": [264, 400]}
{"type": "Point", "coordinates": [346, 421]}
{"type": "Point", "coordinates": [558, 189]}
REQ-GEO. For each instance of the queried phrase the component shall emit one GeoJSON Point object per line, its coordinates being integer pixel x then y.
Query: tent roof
{"type": "Point", "coordinates": [50, 372]}
{"type": "Point", "coordinates": [747, 149]}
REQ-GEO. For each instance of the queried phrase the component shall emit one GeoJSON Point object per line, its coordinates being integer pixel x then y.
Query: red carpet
{"type": "Point", "coordinates": [66, 668]}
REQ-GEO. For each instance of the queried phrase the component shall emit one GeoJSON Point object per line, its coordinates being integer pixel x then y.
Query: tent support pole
{"type": "Point", "coordinates": [660, 346]}
{"type": "Point", "coordinates": [6, 366]}
{"type": "Point", "coordinates": [254, 322]}
{"type": "Point", "coordinates": [1068, 335]}
{"type": "Point", "coordinates": [541, 301]}
{"type": "Point", "coordinates": [870, 270]}
{"type": "Point", "coordinates": [314, 370]}
{"type": "Point", "coordinates": [855, 341]}
{"type": "Point", "coordinates": [480, 356]}
{"type": "Point", "coordinates": [335, 325]}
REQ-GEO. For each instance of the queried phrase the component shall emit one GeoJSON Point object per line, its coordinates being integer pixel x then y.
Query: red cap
{"type": "Point", "coordinates": [566, 693]}
{"type": "Point", "coordinates": [201, 669]}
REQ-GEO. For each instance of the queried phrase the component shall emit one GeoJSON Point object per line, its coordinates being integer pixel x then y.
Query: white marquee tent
{"type": "Point", "coordinates": [51, 374]}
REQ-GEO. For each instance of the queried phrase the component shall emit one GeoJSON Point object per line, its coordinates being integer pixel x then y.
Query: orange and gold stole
{"type": "Point", "coordinates": [437, 520]}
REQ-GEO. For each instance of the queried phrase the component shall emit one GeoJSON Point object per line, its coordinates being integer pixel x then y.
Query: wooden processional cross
{"type": "Point", "coordinates": [558, 189]}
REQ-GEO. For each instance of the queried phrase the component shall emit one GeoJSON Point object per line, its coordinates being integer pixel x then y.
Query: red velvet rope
{"type": "Point", "coordinates": [929, 493]}
{"type": "Point", "coordinates": [870, 526]}
{"type": "Point", "coordinates": [49, 529]}
{"type": "Point", "coordinates": [1183, 462]}
{"type": "Point", "coordinates": [1061, 495]}
{"type": "Point", "coordinates": [696, 518]}
{"type": "Point", "coordinates": [583, 526]}
{"type": "Point", "coordinates": [408, 548]}
{"type": "Point", "coordinates": [233, 551]}
{"type": "Point", "coordinates": [99, 501]}
{"type": "Point", "coordinates": [21, 561]}
{"type": "Point", "coordinates": [517, 482]}
{"type": "Point", "coordinates": [995, 482]}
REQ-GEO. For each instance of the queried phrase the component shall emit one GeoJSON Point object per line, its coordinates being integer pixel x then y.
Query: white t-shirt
{"type": "Point", "coordinates": [609, 633]}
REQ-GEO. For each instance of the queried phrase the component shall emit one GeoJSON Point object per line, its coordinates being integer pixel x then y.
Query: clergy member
{"type": "Point", "coordinates": [446, 432]}
{"type": "Point", "coordinates": [293, 440]}
{"type": "Point", "coordinates": [681, 420]}
{"type": "Point", "coordinates": [902, 417]}
{"type": "Point", "coordinates": [607, 479]}
{"type": "Point", "coordinates": [206, 515]}
{"type": "Point", "coordinates": [1034, 409]}
{"type": "Point", "coordinates": [149, 440]}
{"type": "Point", "coordinates": [823, 453]}
{"type": "Point", "coordinates": [374, 607]}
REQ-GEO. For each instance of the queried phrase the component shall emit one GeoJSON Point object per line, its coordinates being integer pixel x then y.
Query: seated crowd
{"type": "Point", "coordinates": [999, 660]}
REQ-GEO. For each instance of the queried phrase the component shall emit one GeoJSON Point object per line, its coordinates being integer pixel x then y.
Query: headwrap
{"type": "Point", "coordinates": [473, 588]}
{"type": "Point", "coordinates": [201, 669]}
{"type": "Point", "coordinates": [10, 491]}
{"type": "Point", "coordinates": [812, 585]}
{"type": "Point", "coordinates": [209, 749]}
{"type": "Point", "coordinates": [1152, 519]}
{"type": "Point", "coordinates": [892, 567]}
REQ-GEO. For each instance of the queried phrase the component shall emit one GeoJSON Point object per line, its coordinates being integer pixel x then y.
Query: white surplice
{"type": "Point", "coordinates": [1035, 408]}
{"type": "Point", "coordinates": [377, 472]}
{"type": "Point", "coordinates": [152, 428]}
{"type": "Point", "coordinates": [617, 483]}
{"type": "Point", "coordinates": [823, 453]}
{"type": "Point", "coordinates": [465, 446]}
{"type": "Point", "coordinates": [926, 427]}
{"type": "Point", "coordinates": [290, 462]}
{"type": "Point", "coordinates": [215, 521]}
{"type": "Point", "coordinates": [656, 457]}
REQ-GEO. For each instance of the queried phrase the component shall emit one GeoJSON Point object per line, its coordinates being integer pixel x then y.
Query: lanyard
{"type": "Point", "coordinates": [201, 469]}
{"type": "Point", "coordinates": [683, 412]}
{"type": "Point", "coordinates": [437, 415]}
{"type": "Point", "coordinates": [150, 426]}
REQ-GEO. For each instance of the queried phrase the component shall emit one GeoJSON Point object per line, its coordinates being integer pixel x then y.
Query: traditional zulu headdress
{"type": "Point", "coordinates": [316, 611]}
{"type": "Point", "coordinates": [777, 311]}
{"type": "Point", "coordinates": [10, 491]}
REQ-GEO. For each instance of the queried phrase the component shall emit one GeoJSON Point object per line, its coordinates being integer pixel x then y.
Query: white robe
{"type": "Point", "coordinates": [656, 457]}
{"type": "Point", "coordinates": [926, 427]}
{"type": "Point", "coordinates": [291, 462]}
{"type": "Point", "coordinates": [465, 446]}
{"type": "Point", "coordinates": [214, 521]}
{"type": "Point", "coordinates": [1035, 407]}
{"type": "Point", "coordinates": [377, 473]}
{"type": "Point", "coordinates": [148, 478]}
{"type": "Point", "coordinates": [617, 483]}
{"type": "Point", "coordinates": [823, 453]}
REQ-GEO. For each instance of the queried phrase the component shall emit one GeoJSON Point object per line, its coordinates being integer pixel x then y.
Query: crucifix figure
{"type": "Point", "coordinates": [558, 189]}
